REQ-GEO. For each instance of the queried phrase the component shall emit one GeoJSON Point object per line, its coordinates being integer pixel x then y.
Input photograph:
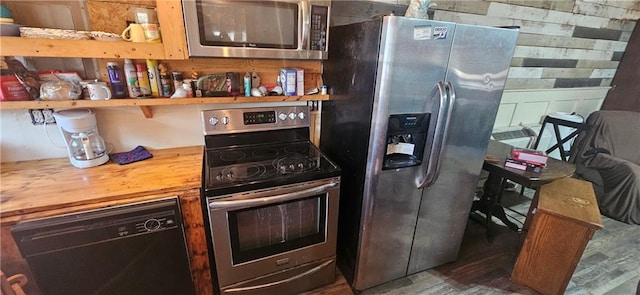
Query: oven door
{"type": "Point", "coordinates": [266, 231]}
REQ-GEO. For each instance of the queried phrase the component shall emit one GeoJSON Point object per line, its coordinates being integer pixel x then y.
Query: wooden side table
{"type": "Point", "coordinates": [562, 219]}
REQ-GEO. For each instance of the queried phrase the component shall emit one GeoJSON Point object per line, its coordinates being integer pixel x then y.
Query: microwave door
{"type": "Point", "coordinates": [281, 29]}
{"type": "Point", "coordinates": [252, 24]}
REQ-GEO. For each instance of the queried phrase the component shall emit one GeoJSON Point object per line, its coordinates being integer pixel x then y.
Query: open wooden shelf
{"type": "Point", "coordinates": [20, 46]}
{"type": "Point", "coordinates": [145, 104]}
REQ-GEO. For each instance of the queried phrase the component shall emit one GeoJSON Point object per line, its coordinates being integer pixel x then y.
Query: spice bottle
{"type": "Point", "coordinates": [115, 78]}
{"type": "Point", "coordinates": [247, 84]}
{"type": "Point", "coordinates": [177, 80]}
{"type": "Point", "coordinates": [166, 84]}
{"type": "Point", "coordinates": [143, 80]}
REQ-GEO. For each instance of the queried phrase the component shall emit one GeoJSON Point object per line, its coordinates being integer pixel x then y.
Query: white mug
{"type": "Point", "coordinates": [99, 91]}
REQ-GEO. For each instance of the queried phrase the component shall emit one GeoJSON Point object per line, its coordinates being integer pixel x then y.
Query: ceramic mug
{"type": "Point", "coordinates": [134, 33]}
{"type": "Point", "coordinates": [99, 91]}
{"type": "Point", "coordinates": [151, 33]}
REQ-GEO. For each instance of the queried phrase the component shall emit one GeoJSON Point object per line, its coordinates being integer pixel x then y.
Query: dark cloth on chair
{"type": "Point", "coordinates": [608, 155]}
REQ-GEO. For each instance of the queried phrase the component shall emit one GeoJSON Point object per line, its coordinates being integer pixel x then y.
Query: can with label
{"type": "Point", "coordinates": [166, 85]}
{"type": "Point", "coordinates": [115, 78]}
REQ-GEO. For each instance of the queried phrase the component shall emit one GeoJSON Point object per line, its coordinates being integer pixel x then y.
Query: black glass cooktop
{"type": "Point", "coordinates": [242, 168]}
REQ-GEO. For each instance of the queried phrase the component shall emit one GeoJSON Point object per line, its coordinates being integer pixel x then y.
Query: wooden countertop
{"type": "Point", "coordinates": [54, 184]}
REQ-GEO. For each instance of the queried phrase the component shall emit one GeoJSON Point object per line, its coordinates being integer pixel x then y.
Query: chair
{"type": "Point", "coordinates": [12, 285]}
{"type": "Point", "coordinates": [608, 156]}
{"type": "Point", "coordinates": [560, 139]}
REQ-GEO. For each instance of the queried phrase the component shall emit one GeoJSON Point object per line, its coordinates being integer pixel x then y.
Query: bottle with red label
{"type": "Point", "coordinates": [143, 80]}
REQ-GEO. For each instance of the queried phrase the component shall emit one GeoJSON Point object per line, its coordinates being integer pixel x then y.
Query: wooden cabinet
{"type": "Point", "coordinates": [49, 187]}
{"type": "Point", "coordinates": [563, 217]}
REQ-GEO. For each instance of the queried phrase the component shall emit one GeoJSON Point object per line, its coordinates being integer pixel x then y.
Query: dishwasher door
{"type": "Point", "coordinates": [133, 249]}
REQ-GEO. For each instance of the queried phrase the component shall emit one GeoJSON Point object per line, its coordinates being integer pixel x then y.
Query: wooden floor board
{"type": "Point", "coordinates": [610, 265]}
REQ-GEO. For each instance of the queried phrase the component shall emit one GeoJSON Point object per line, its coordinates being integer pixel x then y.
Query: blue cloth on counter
{"type": "Point", "coordinates": [135, 155]}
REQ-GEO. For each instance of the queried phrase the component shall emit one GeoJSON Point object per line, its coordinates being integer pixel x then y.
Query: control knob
{"type": "Point", "coordinates": [292, 116]}
{"type": "Point", "coordinates": [152, 224]}
{"type": "Point", "coordinates": [213, 121]}
{"type": "Point", "coordinates": [282, 116]}
{"type": "Point", "coordinates": [301, 115]}
{"type": "Point", "coordinates": [225, 120]}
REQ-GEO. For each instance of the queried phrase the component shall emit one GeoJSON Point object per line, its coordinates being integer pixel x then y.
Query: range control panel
{"type": "Point", "coordinates": [254, 119]}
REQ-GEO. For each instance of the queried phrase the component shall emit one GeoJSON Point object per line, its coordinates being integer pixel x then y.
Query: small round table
{"type": "Point", "coordinates": [489, 202]}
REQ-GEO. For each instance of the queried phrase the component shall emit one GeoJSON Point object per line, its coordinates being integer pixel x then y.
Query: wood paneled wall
{"type": "Point", "coordinates": [562, 44]}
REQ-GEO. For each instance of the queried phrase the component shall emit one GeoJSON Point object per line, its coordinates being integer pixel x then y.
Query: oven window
{"type": "Point", "coordinates": [276, 228]}
{"type": "Point", "coordinates": [263, 24]}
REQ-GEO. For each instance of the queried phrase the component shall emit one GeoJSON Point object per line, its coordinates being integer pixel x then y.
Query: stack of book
{"type": "Point", "coordinates": [527, 160]}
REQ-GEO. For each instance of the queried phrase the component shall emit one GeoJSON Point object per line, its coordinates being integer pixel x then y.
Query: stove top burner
{"type": "Point", "coordinates": [265, 165]}
{"type": "Point", "coordinates": [294, 163]}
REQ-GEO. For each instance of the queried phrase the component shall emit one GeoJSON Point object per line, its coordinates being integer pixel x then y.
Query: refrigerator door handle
{"type": "Point", "coordinates": [447, 98]}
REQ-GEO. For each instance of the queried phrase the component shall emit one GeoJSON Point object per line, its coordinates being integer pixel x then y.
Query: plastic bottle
{"type": "Point", "coordinates": [143, 80]}
{"type": "Point", "coordinates": [154, 77]}
{"type": "Point", "coordinates": [115, 78]}
{"type": "Point", "coordinates": [132, 78]}
{"type": "Point", "coordinates": [177, 80]}
{"type": "Point", "coordinates": [247, 84]}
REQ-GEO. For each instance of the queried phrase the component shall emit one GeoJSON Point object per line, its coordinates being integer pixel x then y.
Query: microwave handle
{"type": "Point", "coordinates": [305, 12]}
{"type": "Point", "coordinates": [272, 199]}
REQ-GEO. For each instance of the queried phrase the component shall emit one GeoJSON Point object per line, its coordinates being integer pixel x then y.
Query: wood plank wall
{"type": "Point", "coordinates": [562, 44]}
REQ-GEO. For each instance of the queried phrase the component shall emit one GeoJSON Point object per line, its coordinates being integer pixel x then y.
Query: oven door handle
{"type": "Point", "coordinates": [217, 204]}
{"type": "Point", "coordinates": [293, 278]}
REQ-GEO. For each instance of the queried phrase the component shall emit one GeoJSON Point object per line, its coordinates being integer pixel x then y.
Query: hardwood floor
{"type": "Point", "coordinates": [609, 265]}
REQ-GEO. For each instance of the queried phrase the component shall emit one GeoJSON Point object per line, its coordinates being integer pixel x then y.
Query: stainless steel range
{"type": "Point", "coordinates": [271, 202]}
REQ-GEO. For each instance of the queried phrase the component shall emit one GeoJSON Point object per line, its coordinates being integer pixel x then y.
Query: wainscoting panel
{"type": "Point", "coordinates": [529, 106]}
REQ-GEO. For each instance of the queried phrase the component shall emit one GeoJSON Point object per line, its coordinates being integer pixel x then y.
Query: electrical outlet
{"type": "Point", "coordinates": [42, 116]}
{"type": "Point", "coordinates": [48, 116]}
{"type": "Point", "coordinates": [37, 118]}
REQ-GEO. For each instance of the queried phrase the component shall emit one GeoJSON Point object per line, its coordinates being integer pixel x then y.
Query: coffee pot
{"type": "Point", "coordinates": [80, 130]}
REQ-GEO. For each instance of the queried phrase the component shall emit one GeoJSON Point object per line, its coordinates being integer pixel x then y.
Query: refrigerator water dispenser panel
{"type": "Point", "coordinates": [406, 139]}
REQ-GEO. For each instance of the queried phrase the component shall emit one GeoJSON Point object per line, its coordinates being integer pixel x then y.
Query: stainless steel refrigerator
{"type": "Point", "coordinates": [412, 106]}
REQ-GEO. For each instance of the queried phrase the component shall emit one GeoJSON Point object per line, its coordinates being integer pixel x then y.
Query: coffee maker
{"type": "Point", "coordinates": [80, 131]}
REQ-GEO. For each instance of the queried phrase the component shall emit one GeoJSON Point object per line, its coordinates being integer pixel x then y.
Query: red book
{"type": "Point", "coordinates": [522, 165]}
{"type": "Point", "coordinates": [529, 156]}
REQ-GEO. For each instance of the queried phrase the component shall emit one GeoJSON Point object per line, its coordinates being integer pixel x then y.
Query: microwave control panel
{"type": "Point", "coordinates": [319, 27]}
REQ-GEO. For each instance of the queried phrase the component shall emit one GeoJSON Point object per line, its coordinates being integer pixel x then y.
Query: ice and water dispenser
{"type": "Point", "coordinates": [406, 139]}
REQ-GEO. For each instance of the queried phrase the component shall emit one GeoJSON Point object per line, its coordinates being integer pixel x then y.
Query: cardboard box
{"type": "Point", "coordinates": [288, 81]}
{"type": "Point", "coordinates": [11, 89]}
{"type": "Point", "coordinates": [300, 81]}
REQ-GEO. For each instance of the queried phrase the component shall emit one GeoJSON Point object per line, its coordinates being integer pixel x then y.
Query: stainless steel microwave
{"type": "Point", "coordinates": [280, 29]}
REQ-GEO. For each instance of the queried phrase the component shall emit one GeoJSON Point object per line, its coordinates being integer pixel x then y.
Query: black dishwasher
{"type": "Point", "coordinates": [132, 249]}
